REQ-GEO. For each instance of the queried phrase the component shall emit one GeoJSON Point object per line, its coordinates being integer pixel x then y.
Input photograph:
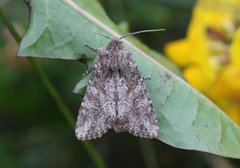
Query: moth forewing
{"type": "Point", "coordinates": [116, 97]}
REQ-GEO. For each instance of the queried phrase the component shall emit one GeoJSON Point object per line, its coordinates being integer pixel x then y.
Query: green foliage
{"type": "Point", "coordinates": [34, 133]}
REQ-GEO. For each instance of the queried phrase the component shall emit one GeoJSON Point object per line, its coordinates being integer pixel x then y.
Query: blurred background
{"type": "Point", "coordinates": [34, 134]}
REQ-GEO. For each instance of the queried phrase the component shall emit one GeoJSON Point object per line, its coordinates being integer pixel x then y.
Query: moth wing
{"type": "Point", "coordinates": [97, 111]}
{"type": "Point", "coordinates": [135, 110]}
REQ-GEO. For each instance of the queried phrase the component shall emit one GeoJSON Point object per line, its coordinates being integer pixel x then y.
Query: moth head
{"type": "Point", "coordinates": [115, 43]}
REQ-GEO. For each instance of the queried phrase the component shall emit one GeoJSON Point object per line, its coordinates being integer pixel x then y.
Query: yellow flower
{"type": "Point", "coordinates": [235, 50]}
{"type": "Point", "coordinates": [210, 54]}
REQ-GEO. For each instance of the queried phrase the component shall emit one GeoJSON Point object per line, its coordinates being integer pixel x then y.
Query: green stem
{"type": "Point", "coordinates": [52, 91]}
{"type": "Point", "coordinates": [55, 95]}
{"type": "Point", "coordinates": [148, 153]}
{"type": "Point", "coordinates": [10, 26]}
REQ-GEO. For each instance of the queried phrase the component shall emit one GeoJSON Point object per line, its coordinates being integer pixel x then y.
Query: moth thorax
{"type": "Point", "coordinates": [114, 66]}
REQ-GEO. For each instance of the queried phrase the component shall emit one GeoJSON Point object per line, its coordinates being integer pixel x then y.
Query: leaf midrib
{"type": "Point", "coordinates": [100, 24]}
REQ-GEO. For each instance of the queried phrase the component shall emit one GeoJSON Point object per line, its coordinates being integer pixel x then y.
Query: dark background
{"type": "Point", "coordinates": [33, 133]}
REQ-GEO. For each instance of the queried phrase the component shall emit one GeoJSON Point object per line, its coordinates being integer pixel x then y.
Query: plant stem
{"type": "Point", "coordinates": [10, 26]}
{"type": "Point", "coordinates": [148, 153]}
{"type": "Point", "coordinates": [55, 95]}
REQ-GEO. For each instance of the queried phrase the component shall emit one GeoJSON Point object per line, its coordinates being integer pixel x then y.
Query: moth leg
{"type": "Point", "coordinates": [87, 72]}
{"type": "Point", "coordinates": [92, 48]}
{"type": "Point", "coordinates": [149, 77]}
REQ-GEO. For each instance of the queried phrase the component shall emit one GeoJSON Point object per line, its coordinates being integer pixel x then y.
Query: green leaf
{"type": "Point", "coordinates": [187, 119]}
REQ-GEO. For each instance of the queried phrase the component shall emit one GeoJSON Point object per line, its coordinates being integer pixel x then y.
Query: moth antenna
{"type": "Point", "coordinates": [102, 35]}
{"type": "Point", "coordinates": [93, 32]}
{"type": "Point", "coordinates": [142, 31]}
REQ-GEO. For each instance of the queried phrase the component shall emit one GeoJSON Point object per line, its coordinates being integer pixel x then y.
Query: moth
{"type": "Point", "coordinates": [116, 96]}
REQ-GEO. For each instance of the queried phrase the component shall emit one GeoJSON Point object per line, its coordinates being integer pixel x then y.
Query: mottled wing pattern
{"type": "Point", "coordinates": [98, 110]}
{"type": "Point", "coordinates": [134, 107]}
